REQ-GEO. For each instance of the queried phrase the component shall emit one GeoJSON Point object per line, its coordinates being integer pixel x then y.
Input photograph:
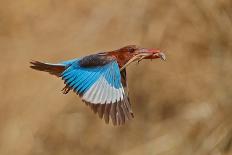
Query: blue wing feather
{"type": "Point", "coordinates": [94, 78]}
{"type": "Point", "coordinates": [68, 75]}
{"type": "Point", "coordinates": [80, 79]}
{"type": "Point", "coordinates": [87, 84]}
{"type": "Point", "coordinates": [71, 77]}
{"type": "Point", "coordinates": [84, 82]}
{"type": "Point", "coordinates": [72, 82]}
{"type": "Point", "coordinates": [117, 76]}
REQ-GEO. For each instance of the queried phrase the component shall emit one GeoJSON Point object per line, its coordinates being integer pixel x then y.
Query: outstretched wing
{"type": "Point", "coordinates": [100, 87]}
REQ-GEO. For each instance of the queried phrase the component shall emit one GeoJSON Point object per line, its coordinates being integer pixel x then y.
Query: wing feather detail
{"type": "Point", "coordinates": [101, 88]}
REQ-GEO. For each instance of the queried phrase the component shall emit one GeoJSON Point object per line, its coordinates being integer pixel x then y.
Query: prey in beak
{"type": "Point", "coordinates": [144, 53]}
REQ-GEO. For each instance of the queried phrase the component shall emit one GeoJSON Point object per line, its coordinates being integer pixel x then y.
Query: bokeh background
{"type": "Point", "coordinates": [181, 106]}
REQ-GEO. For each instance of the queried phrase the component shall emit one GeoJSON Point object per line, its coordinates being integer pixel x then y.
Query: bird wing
{"type": "Point", "coordinates": [100, 87]}
{"type": "Point", "coordinates": [125, 87]}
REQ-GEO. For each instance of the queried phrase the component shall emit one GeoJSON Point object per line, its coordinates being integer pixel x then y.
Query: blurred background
{"type": "Point", "coordinates": [181, 106]}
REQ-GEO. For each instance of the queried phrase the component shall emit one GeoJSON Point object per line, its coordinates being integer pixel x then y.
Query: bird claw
{"type": "Point", "coordinates": [66, 89]}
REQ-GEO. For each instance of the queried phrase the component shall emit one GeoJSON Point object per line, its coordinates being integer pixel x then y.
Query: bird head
{"type": "Point", "coordinates": [131, 53]}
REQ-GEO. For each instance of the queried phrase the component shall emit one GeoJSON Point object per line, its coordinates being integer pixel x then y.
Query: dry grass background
{"type": "Point", "coordinates": [182, 106]}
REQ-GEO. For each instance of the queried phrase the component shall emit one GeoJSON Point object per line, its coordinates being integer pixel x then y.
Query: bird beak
{"type": "Point", "coordinates": [144, 53]}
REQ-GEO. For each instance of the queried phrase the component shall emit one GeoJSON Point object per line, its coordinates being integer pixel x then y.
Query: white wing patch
{"type": "Point", "coordinates": [102, 92]}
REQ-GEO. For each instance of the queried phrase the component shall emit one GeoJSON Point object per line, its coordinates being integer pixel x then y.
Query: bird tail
{"type": "Point", "coordinates": [54, 69]}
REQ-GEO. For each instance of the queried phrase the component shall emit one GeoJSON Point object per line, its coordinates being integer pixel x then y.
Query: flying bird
{"type": "Point", "coordinates": [100, 79]}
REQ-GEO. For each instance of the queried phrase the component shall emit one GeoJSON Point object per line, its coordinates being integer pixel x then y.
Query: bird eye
{"type": "Point", "coordinates": [130, 49]}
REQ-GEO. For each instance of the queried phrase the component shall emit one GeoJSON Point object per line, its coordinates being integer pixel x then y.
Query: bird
{"type": "Point", "coordinates": [100, 79]}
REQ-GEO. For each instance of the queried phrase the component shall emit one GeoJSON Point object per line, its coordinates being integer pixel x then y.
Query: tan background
{"type": "Point", "coordinates": [182, 106]}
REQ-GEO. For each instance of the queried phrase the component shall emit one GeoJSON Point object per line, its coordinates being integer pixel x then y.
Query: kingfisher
{"type": "Point", "coordinates": [100, 79]}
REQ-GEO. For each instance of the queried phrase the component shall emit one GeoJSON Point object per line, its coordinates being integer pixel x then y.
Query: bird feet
{"type": "Point", "coordinates": [66, 89]}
